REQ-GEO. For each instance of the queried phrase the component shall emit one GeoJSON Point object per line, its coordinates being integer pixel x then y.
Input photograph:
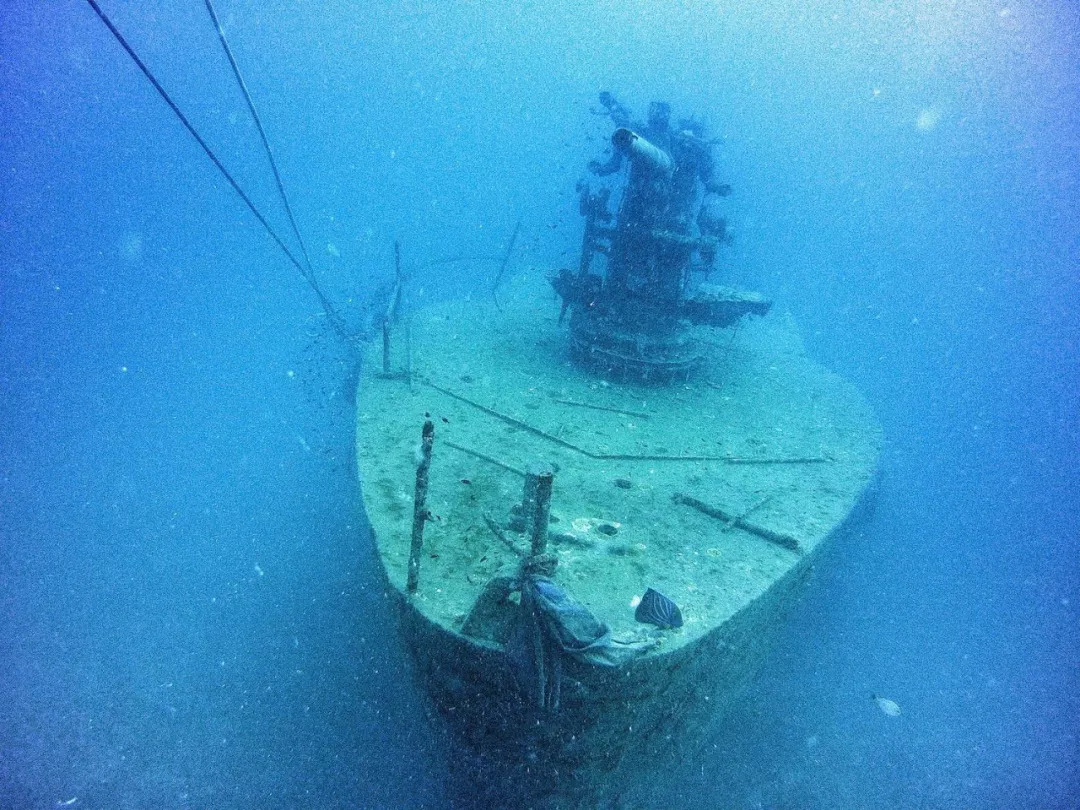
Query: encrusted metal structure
{"type": "Point", "coordinates": [567, 470]}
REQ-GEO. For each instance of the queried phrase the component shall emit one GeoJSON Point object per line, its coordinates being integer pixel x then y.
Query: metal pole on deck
{"type": "Point", "coordinates": [536, 504]}
{"type": "Point", "coordinates": [420, 511]}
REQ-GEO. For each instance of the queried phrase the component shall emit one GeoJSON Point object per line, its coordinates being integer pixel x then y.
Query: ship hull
{"type": "Point", "coordinates": [722, 492]}
{"type": "Point", "coordinates": [614, 728]}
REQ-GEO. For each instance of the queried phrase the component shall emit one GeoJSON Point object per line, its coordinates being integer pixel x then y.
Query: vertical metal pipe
{"type": "Point", "coordinates": [528, 496]}
{"type": "Point", "coordinates": [386, 347]}
{"type": "Point", "coordinates": [420, 512]}
{"type": "Point", "coordinates": [542, 511]}
{"type": "Point", "coordinates": [391, 317]}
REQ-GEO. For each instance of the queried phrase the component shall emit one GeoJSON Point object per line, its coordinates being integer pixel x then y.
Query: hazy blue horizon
{"type": "Point", "coordinates": [191, 615]}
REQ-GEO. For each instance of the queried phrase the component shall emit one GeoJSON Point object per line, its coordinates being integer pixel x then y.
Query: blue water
{"type": "Point", "coordinates": [190, 615]}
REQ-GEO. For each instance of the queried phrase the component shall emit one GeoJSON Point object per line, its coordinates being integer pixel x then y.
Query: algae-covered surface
{"type": "Point", "coordinates": [708, 491]}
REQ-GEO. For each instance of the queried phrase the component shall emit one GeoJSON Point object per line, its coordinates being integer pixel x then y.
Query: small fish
{"type": "Point", "coordinates": [889, 707]}
{"type": "Point", "coordinates": [655, 608]}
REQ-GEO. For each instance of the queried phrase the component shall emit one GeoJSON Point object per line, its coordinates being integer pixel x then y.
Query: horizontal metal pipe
{"type": "Point", "coordinates": [641, 152]}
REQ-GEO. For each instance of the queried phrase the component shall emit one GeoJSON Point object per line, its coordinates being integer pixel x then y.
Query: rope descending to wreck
{"type": "Point", "coordinates": [502, 265]}
{"type": "Point", "coordinates": [262, 133]}
{"type": "Point", "coordinates": [332, 315]}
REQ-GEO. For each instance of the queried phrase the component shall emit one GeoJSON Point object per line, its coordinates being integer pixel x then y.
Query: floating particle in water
{"type": "Point", "coordinates": [889, 707]}
{"type": "Point", "coordinates": [927, 120]}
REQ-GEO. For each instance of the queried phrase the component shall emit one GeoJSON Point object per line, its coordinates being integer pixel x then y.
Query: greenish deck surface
{"type": "Point", "coordinates": [762, 433]}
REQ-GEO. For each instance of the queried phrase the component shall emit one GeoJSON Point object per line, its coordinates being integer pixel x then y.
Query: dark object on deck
{"type": "Point", "coordinates": [655, 608]}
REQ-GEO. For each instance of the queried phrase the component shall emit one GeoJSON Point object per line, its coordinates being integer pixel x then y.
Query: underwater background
{"type": "Point", "coordinates": [189, 610]}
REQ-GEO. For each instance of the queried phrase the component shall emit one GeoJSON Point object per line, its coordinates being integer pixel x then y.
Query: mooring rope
{"type": "Point", "coordinates": [502, 267]}
{"type": "Point", "coordinates": [262, 133]}
{"type": "Point", "coordinates": [331, 314]}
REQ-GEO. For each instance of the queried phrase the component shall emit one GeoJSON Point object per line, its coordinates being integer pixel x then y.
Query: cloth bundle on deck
{"type": "Point", "coordinates": [551, 624]}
